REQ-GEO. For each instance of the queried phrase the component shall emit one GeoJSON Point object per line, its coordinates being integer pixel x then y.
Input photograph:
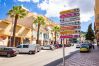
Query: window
{"type": "Point", "coordinates": [97, 16]}
{"type": "Point", "coordinates": [7, 49]}
{"type": "Point", "coordinates": [25, 46]}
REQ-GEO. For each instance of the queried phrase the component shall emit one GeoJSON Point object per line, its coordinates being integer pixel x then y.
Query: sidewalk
{"type": "Point", "coordinates": [83, 59]}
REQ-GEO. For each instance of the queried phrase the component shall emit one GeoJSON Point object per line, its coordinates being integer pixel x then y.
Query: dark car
{"type": "Point", "coordinates": [8, 51]}
{"type": "Point", "coordinates": [60, 45]}
{"type": "Point", "coordinates": [67, 45]}
{"type": "Point", "coordinates": [56, 46]}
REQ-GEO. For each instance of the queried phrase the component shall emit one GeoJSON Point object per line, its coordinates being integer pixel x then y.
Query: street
{"type": "Point", "coordinates": [41, 58]}
{"type": "Point", "coordinates": [83, 59]}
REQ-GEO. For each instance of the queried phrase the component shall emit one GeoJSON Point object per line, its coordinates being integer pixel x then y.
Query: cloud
{"type": "Point", "coordinates": [35, 1]}
{"type": "Point", "coordinates": [24, 0]}
{"type": "Point", "coordinates": [25, 8]}
{"type": "Point", "coordinates": [53, 7]}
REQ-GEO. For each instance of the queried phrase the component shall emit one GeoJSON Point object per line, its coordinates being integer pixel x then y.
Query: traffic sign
{"type": "Point", "coordinates": [70, 23]}
{"type": "Point", "coordinates": [69, 15]}
{"type": "Point", "coordinates": [70, 19]}
{"type": "Point", "coordinates": [69, 36]}
{"type": "Point", "coordinates": [69, 32]}
{"type": "Point", "coordinates": [70, 27]}
{"type": "Point", "coordinates": [69, 11]}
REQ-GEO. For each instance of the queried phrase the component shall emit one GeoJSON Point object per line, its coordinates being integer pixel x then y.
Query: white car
{"type": "Point", "coordinates": [48, 47]}
{"type": "Point", "coordinates": [78, 46]}
{"type": "Point", "coordinates": [28, 48]}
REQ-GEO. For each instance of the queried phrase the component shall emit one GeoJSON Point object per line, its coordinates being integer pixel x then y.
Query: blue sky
{"type": "Point", "coordinates": [51, 8]}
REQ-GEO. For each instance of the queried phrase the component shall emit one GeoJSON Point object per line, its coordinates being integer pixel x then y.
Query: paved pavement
{"type": "Point", "coordinates": [39, 59]}
{"type": "Point", "coordinates": [83, 59]}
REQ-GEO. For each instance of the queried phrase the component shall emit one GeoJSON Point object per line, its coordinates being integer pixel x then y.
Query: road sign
{"type": "Point", "coordinates": [70, 36]}
{"type": "Point", "coordinates": [70, 19]}
{"type": "Point", "coordinates": [70, 15]}
{"type": "Point", "coordinates": [69, 27]}
{"type": "Point", "coordinates": [70, 23]}
{"type": "Point", "coordinates": [69, 11]}
{"type": "Point", "coordinates": [70, 32]}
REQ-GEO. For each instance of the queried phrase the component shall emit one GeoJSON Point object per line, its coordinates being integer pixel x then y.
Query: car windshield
{"type": "Point", "coordinates": [84, 46]}
{"type": "Point", "coordinates": [47, 45]}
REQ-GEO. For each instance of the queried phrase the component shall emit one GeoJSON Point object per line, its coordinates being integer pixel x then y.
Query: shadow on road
{"type": "Point", "coordinates": [58, 61]}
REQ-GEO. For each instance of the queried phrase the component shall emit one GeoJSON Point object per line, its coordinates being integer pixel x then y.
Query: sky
{"type": "Point", "coordinates": [52, 8]}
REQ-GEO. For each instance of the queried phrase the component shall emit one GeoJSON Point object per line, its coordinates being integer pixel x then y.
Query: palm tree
{"type": "Point", "coordinates": [39, 21]}
{"type": "Point", "coordinates": [16, 12]}
{"type": "Point", "coordinates": [56, 29]}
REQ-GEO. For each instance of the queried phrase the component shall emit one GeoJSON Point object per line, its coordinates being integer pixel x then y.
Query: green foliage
{"type": "Point", "coordinates": [56, 28]}
{"type": "Point", "coordinates": [17, 10]}
{"type": "Point", "coordinates": [39, 20]}
{"type": "Point", "coordinates": [90, 33]}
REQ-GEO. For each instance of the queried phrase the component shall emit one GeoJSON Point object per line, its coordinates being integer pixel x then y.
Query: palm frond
{"type": "Point", "coordinates": [17, 10]}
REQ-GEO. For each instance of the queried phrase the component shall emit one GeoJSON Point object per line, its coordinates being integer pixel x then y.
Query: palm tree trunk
{"type": "Point", "coordinates": [14, 31]}
{"type": "Point", "coordinates": [32, 35]}
{"type": "Point", "coordinates": [37, 42]}
{"type": "Point", "coordinates": [55, 37]}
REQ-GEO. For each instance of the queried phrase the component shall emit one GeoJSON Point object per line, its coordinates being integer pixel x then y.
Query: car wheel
{"type": "Point", "coordinates": [8, 55]}
{"type": "Point", "coordinates": [30, 52]}
{"type": "Point", "coordinates": [15, 55]}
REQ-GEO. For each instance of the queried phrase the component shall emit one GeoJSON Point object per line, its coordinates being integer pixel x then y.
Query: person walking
{"type": "Point", "coordinates": [93, 46]}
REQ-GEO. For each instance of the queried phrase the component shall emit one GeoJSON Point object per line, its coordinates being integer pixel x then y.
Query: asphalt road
{"type": "Point", "coordinates": [41, 58]}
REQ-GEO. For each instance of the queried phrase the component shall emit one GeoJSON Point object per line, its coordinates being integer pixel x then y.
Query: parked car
{"type": "Point", "coordinates": [48, 47]}
{"type": "Point", "coordinates": [28, 48]}
{"type": "Point", "coordinates": [60, 45]}
{"type": "Point", "coordinates": [2, 46]}
{"type": "Point", "coordinates": [84, 48]}
{"type": "Point", "coordinates": [67, 45]}
{"type": "Point", "coordinates": [77, 45]}
{"type": "Point", "coordinates": [56, 46]}
{"type": "Point", "coordinates": [8, 51]}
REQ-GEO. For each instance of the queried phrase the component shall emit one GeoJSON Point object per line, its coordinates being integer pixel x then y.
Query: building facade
{"type": "Point", "coordinates": [26, 31]}
{"type": "Point", "coordinates": [97, 20]}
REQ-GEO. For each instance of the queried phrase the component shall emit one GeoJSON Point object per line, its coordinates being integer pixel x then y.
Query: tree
{"type": "Point", "coordinates": [16, 12]}
{"type": "Point", "coordinates": [56, 29]}
{"type": "Point", "coordinates": [39, 21]}
{"type": "Point", "coordinates": [90, 33]}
